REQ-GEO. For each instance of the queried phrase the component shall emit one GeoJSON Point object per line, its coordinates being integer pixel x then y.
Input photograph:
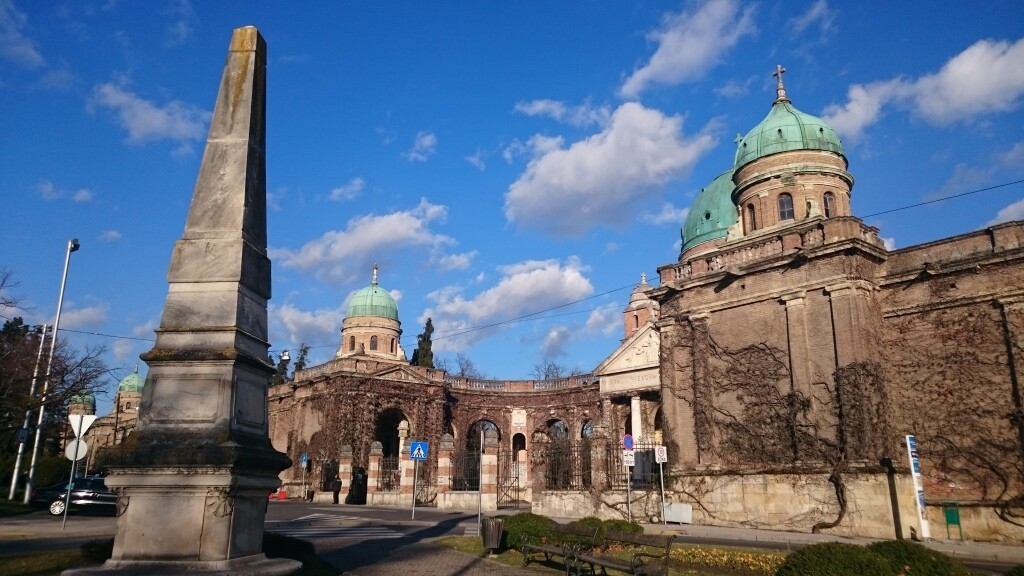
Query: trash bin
{"type": "Point", "coordinates": [491, 531]}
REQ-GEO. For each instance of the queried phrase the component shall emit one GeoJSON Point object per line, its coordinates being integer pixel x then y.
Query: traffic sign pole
{"type": "Point", "coordinates": [415, 469]}
{"type": "Point", "coordinates": [661, 473]}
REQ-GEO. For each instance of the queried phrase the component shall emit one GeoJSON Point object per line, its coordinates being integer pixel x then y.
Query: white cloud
{"type": "Point", "coordinates": [82, 195]}
{"type": "Point", "coordinates": [92, 316]}
{"type": "Point", "coordinates": [1014, 157]}
{"type": "Point", "coordinates": [145, 120]}
{"type": "Point", "coordinates": [343, 255]}
{"type": "Point", "coordinates": [14, 46]}
{"type": "Point", "coordinates": [732, 88]}
{"type": "Point", "coordinates": [183, 19]}
{"type": "Point", "coordinates": [456, 261]}
{"type": "Point", "coordinates": [963, 179]}
{"type": "Point", "coordinates": [423, 147]}
{"type": "Point", "coordinates": [525, 288]}
{"type": "Point", "coordinates": [555, 342]}
{"type": "Point", "coordinates": [818, 14]}
{"type": "Point", "coordinates": [476, 160]}
{"type": "Point", "coordinates": [605, 320]}
{"type": "Point", "coordinates": [110, 236]}
{"type": "Point", "coordinates": [584, 115]}
{"type": "Point", "coordinates": [48, 190]}
{"type": "Point", "coordinates": [890, 243]}
{"type": "Point", "coordinates": [1009, 213]}
{"type": "Point", "coordinates": [312, 327]}
{"type": "Point", "coordinates": [690, 44]}
{"type": "Point", "coordinates": [986, 78]}
{"type": "Point", "coordinates": [124, 349]}
{"type": "Point", "coordinates": [349, 190]}
{"type": "Point", "coordinates": [606, 178]}
{"type": "Point", "coordinates": [669, 214]}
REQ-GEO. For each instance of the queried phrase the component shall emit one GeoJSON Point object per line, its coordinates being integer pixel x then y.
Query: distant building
{"type": "Point", "coordinates": [112, 428]}
{"type": "Point", "coordinates": [782, 360]}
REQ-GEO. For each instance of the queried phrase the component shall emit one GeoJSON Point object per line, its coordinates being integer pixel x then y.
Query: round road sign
{"type": "Point", "coordinates": [82, 447]}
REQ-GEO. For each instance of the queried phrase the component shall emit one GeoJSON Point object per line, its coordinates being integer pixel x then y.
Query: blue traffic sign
{"type": "Point", "coordinates": [627, 442]}
{"type": "Point", "coordinates": [418, 450]}
{"type": "Point", "coordinates": [305, 459]}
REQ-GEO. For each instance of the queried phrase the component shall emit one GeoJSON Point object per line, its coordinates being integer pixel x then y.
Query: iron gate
{"type": "Point", "coordinates": [509, 495]}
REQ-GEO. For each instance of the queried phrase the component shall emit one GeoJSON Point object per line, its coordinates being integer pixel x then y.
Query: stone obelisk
{"type": "Point", "coordinates": [193, 479]}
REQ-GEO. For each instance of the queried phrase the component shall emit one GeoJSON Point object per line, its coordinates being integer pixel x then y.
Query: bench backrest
{"type": "Point", "coordinates": [652, 540]}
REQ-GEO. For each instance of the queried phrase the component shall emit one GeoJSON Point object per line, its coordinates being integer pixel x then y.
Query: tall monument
{"type": "Point", "coordinates": [193, 479]}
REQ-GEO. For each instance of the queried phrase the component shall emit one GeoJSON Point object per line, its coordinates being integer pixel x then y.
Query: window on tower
{"type": "Point", "coordinates": [351, 343]}
{"type": "Point", "coordinates": [785, 207]}
{"type": "Point", "coordinates": [830, 204]}
{"type": "Point", "coordinates": [751, 218]}
{"type": "Point", "coordinates": [373, 343]}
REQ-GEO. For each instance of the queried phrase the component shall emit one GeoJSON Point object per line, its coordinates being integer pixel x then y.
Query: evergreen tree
{"type": "Point", "coordinates": [300, 362]}
{"type": "Point", "coordinates": [422, 355]}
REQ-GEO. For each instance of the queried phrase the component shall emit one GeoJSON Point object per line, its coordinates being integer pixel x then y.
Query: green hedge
{"type": "Point", "coordinates": [623, 526]}
{"type": "Point", "coordinates": [533, 525]}
{"type": "Point", "coordinates": [1017, 570]}
{"type": "Point", "coordinates": [913, 558]}
{"type": "Point", "coordinates": [834, 559]}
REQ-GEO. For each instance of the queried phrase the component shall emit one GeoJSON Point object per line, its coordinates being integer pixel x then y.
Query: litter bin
{"type": "Point", "coordinates": [491, 531]}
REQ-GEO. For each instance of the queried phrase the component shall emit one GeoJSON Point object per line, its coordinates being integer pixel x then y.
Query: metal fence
{"type": "Point", "coordinates": [644, 473]}
{"type": "Point", "coordinates": [390, 477]}
{"type": "Point", "coordinates": [465, 471]}
{"type": "Point", "coordinates": [567, 465]}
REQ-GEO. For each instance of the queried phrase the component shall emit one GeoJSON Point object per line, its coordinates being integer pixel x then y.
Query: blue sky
{"type": "Point", "coordinates": [498, 160]}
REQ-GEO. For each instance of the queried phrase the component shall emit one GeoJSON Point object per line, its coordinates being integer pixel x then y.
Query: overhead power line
{"type": "Point", "coordinates": [1003, 185]}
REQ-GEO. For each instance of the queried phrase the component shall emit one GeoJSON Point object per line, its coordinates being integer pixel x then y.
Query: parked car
{"type": "Point", "coordinates": [86, 493]}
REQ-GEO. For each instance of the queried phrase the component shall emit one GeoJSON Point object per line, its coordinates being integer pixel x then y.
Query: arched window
{"type": "Point", "coordinates": [636, 321]}
{"type": "Point", "coordinates": [392, 345]}
{"type": "Point", "coordinates": [785, 207]}
{"type": "Point", "coordinates": [830, 204]}
{"type": "Point", "coordinates": [351, 343]}
{"type": "Point", "coordinates": [373, 343]}
{"type": "Point", "coordinates": [751, 218]}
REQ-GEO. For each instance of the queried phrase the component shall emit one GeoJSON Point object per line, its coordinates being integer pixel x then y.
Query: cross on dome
{"type": "Point", "coordinates": [374, 274]}
{"type": "Point", "coordinates": [780, 90]}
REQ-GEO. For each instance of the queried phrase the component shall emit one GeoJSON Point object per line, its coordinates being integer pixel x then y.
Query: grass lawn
{"type": "Point", "coordinates": [48, 563]}
{"type": "Point", "coordinates": [686, 560]}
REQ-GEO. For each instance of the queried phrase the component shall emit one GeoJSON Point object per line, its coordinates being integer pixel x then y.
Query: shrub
{"type": "Point", "coordinates": [591, 522]}
{"type": "Point", "coordinates": [1017, 570]}
{"type": "Point", "coordinates": [834, 559]}
{"type": "Point", "coordinates": [913, 558]}
{"type": "Point", "coordinates": [623, 526]}
{"type": "Point", "coordinates": [534, 526]}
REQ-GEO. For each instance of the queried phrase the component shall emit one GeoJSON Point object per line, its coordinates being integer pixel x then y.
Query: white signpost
{"type": "Point", "coordinates": [76, 450]}
{"type": "Point", "coordinates": [628, 461]}
{"type": "Point", "coordinates": [915, 473]}
{"type": "Point", "coordinates": [661, 456]}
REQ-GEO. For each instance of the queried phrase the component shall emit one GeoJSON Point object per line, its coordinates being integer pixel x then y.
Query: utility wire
{"type": "Point", "coordinates": [1003, 185]}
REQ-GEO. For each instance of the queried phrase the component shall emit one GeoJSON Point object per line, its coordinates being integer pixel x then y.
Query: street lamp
{"type": "Point", "coordinates": [23, 433]}
{"type": "Point", "coordinates": [72, 247]}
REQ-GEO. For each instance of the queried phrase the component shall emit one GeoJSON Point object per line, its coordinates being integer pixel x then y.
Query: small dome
{"type": "Point", "coordinates": [712, 213]}
{"type": "Point", "coordinates": [786, 129]}
{"type": "Point", "coordinates": [83, 399]}
{"type": "Point", "coordinates": [131, 383]}
{"type": "Point", "coordinates": [372, 301]}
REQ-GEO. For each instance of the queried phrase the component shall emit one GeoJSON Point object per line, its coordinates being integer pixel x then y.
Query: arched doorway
{"type": "Point", "coordinates": [388, 431]}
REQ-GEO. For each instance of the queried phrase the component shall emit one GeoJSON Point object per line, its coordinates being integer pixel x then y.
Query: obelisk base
{"type": "Point", "coordinates": [204, 520]}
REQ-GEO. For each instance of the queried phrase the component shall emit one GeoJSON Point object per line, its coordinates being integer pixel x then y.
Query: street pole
{"type": "Point", "coordinates": [415, 470]}
{"type": "Point", "coordinates": [72, 247]}
{"type": "Point", "coordinates": [661, 473]}
{"type": "Point", "coordinates": [480, 484]}
{"type": "Point", "coordinates": [28, 417]}
{"type": "Point", "coordinates": [629, 493]}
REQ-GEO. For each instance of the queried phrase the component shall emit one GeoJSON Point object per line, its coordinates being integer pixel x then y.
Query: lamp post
{"type": "Point", "coordinates": [72, 247]}
{"type": "Point", "coordinates": [23, 434]}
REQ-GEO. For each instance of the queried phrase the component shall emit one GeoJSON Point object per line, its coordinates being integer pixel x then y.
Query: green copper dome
{"type": "Point", "coordinates": [131, 383]}
{"type": "Point", "coordinates": [786, 129]}
{"type": "Point", "coordinates": [711, 214]}
{"type": "Point", "coordinates": [83, 399]}
{"type": "Point", "coordinates": [373, 301]}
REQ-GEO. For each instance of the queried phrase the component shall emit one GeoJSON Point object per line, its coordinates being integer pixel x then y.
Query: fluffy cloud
{"type": "Point", "coordinates": [818, 15]}
{"type": "Point", "coordinates": [456, 261]}
{"type": "Point", "coordinates": [349, 190]}
{"type": "Point", "coordinates": [423, 147]}
{"type": "Point", "coordinates": [987, 77]}
{"type": "Point", "coordinates": [669, 214]}
{"type": "Point", "coordinates": [14, 46]}
{"type": "Point", "coordinates": [524, 289]}
{"type": "Point", "coordinates": [343, 255]}
{"type": "Point", "coordinates": [311, 327]}
{"type": "Point", "coordinates": [605, 320]}
{"type": "Point", "coordinates": [555, 342]}
{"type": "Point", "coordinates": [606, 178]}
{"type": "Point", "coordinates": [88, 317]}
{"type": "Point", "coordinates": [49, 191]}
{"type": "Point", "coordinates": [147, 121]}
{"type": "Point", "coordinates": [82, 195]}
{"type": "Point", "coordinates": [584, 115]}
{"type": "Point", "coordinates": [691, 43]}
{"type": "Point", "coordinates": [1009, 213]}
{"type": "Point", "coordinates": [110, 236]}
{"type": "Point", "coordinates": [183, 19]}
{"type": "Point", "coordinates": [476, 160]}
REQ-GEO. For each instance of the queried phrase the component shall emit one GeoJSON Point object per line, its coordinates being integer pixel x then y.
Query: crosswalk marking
{"type": "Point", "coordinates": [337, 532]}
{"type": "Point", "coordinates": [472, 530]}
{"type": "Point", "coordinates": [314, 517]}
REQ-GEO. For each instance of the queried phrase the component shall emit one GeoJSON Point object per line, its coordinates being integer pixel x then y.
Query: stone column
{"type": "Point", "coordinates": [1013, 329]}
{"type": "Point", "coordinates": [636, 418]}
{"type": "Point", "coordinates": [796, 327]}
{"type": "Point", "coordinates": [406, 465]}
{"type": "Point", "coordinates": [445, 451]}
{"type": "Point", "coordinates": [373, 468]}
{"type": "Point", "coordinates": [193, 479]}
{"type": "Point", "coordinates": [489, 470]}
{"type": "Point", "coordinates": [345, 471]}
{"type": "Point", "coordinates": [851, 320]}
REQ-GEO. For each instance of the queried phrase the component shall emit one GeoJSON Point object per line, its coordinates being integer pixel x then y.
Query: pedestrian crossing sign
{"type": "Point", "coordinates": [418, 450]}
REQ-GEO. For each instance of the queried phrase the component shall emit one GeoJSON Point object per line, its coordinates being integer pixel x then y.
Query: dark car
{"type": "Point", "coordinates": [86, 493]}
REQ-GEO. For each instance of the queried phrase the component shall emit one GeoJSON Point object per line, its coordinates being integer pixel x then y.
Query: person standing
{"type": "Point", "coordinates": [336, 487]}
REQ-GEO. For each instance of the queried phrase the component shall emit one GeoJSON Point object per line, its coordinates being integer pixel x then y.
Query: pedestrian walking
{"type": "Point", "coordinates": [336, 487]}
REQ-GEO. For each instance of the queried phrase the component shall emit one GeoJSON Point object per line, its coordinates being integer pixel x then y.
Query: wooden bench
{"type": "Point", "coordinates": [565, 541]}
{"type": "Point", "coordinates": [650, 559]}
